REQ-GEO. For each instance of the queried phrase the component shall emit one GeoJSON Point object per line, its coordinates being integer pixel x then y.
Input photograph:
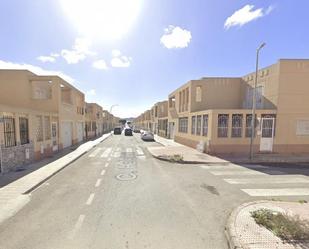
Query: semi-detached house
{"type": "Point", "coordinates": [214, 114]}
{"type": "Point", "coordinates": [39, 115]}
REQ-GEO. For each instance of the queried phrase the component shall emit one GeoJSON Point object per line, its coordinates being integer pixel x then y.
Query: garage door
{"type": "Point", "coordinates": [80, 130]}
{"type": "Point", "coordinates": [66, 134]}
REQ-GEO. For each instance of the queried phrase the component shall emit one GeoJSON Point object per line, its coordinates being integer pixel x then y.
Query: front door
{"type": "Point", "coordinates": [171, 130]}
{"type": "Point", "coordinates": [267, 134]}
{"type": "Point", "coordinates": [54, 132]}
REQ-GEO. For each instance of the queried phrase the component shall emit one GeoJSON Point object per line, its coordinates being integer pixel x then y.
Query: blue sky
{"type": "Point", "coordinates": [134, 53]}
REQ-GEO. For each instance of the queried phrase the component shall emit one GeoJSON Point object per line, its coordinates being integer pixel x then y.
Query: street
{"type": "Point", "coordinates": [119, 196]}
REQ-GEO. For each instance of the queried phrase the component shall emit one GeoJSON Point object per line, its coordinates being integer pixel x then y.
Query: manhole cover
{"type": "Point", "coordinates": [126, 177]}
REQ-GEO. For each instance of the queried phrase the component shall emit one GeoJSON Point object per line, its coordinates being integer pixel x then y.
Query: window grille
{"type": "Point", "coordinates": [183, 125]}
{"type": "Point", "coordinates": [9, 131]}
{"type": "Point", "coordinates": [193, 124]}
{"type": "Point", "coordinates": [205, 125]}
{"type": "Point", "coordinates": [236, 125]}
{"type": "Point", "coordinates": [39, 131]}
{"type": "Point", "coordinates": [47, 128]}
{"type": "Point", "coordinates": [223, 124]}
{"type": "Point", "coordinates": [198, 125]}
{"type": "Point", "coordinates": [24, 130]}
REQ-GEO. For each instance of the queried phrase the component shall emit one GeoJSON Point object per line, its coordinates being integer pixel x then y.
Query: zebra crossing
{"type": "Point", "coordinates": [261, 181]}
{"type": "Point", "coordinates": [104, 152]}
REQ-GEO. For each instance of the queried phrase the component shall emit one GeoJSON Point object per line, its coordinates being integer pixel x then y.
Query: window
{"type": "Point", "coordinates": [47, 127]}
{"type": "Point", "coordinates": [198, 125]}
{"type": "Point", "coordinates": [248, 124]}
{"type": "Point", "coordinates": [24, 130]}
{"type": "Point", "coordinates": [193, 124]}
{"type": "Point", "coordinates": [183, 125]}
{"type": "Point", "coordinates": [205, 125]}
{"type": "Point", "coordinates": [198, 94]}
{"type": "Point", "coordinates": [236, 125]}
{"type": "Point", "coordinates": [223, 124]}
{"type": "Point", "coordinates": [9, 131]}
{"type": "Point", "coordinates": [39, 131]}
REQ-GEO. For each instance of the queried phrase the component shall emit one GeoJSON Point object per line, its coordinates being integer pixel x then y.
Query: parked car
{"type": "Point", "coordinates": [128, 132]}
{"type": "Point", "coordinates": [147, 136]}
{"type": "Point", "coordinates": [117, 131]}
{"type": "Point", "coordinates": [136, 130]}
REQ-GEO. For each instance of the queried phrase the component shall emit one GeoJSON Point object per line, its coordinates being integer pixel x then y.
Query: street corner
{"type": "Point", "coordinates": [269, 224]}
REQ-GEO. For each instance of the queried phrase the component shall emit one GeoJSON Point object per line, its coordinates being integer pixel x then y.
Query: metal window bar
{"type": "Point", "coordinates": [24, 130]}
{"type": "Point", "coordinates": [39, 135]}
{"type": "Point", "coordinates": [205, 125]}
{"type": "Point", "coordinates": [223, 122]}
{"type": "Point", "coordinates": [236, 125]}
{"type": "Point", "coordinates": [9, 131]}
{"type": "Point", "coordinates": [193, 124]}
{"type": "Point", "coordinates": [198, 125]}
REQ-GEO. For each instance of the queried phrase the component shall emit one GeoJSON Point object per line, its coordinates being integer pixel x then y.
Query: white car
{"type": "Point", "coordinates": [147, 136]}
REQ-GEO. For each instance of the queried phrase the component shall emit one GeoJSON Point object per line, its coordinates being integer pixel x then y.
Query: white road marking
{"type": "Point", "coordinates": [77, 226]}
{"type": "Point", "coordinates": [102, 172]}
{"type": "Point", "coordinates": [116, 154]}
{"type": "Point", "coordinates": [106, 152]}
{"type": "Point", "coordinates": [139, 151]}
{"type": "Point", "coordinates": [109, 159]}
{"type": "Point", "coordinates": [106, 165]}
{"type": "Point", "coordinates": [267, 180]}
{"type": "Point", "coordinates": [98, 183]}
{"type": "Point", "coordinates": [277, 192]}
{"type": "Point", "coordinates": [118, 149]}
{"type": "Point", "coordinates": [232, 166]}
{"type": "Point", "coordinates": [95, 152]}
{"type": "Point", "coordinates": [236, 172]}
{"type": "Point", "coordinates": [129, 150]}
{"type": "Point", "coordinates": [90, 199]}
{"type": "Point", "coordinates": [142, 157]}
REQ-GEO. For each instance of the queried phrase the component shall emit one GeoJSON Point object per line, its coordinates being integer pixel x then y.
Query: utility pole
{"type": "Point", "coordinates": [254, 100]}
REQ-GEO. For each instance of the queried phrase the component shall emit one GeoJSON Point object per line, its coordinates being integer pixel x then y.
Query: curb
{"type": "Point", "coordinates": [230, 231]}
{"type": "Point", "coordinates": [187, 162]}
{"type": "Point", "coordinates": [63, 167]}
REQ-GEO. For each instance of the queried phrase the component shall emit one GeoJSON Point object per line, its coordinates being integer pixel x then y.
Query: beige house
{"type": "Point", "coordinates": [39, 115]}
{"type": "Point", "coordinates": [162, 116]}
{"type": "Point", "coordinates": [214, 114]}
{"type": "Point", "coordinates": [93, 120]}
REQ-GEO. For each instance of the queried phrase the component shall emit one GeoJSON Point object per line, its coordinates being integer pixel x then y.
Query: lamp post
{"type": "Point", "coordinates": [254, 100]}
{"type": "Point", "coordinates": [110, 111]}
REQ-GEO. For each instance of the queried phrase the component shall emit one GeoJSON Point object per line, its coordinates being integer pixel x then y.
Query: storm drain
{"type": "Point", "coordinates": [126, 177]}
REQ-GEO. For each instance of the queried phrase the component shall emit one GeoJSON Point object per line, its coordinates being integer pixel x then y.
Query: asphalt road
{"type": "Point", "coordinates": [118, 196]}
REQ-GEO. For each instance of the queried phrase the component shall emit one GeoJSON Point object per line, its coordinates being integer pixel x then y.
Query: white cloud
{"type": "Point", "coordinates": [100, 64]}
{"type": "Point", "coordinates": [175, 37]}
{"type": "Point", "coordinates": [120, 60]}
{"type": "Point", "coordinates": [80, 50]}
{"type": "Point", "coordinates": [246, 15]}
{"type": "Point", "coordinates": [35, 69]}
{"type": "Point", "coordinates": [44, 59]}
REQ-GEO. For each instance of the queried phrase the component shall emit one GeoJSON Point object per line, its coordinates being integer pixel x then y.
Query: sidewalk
{"type": "Point", "coordinates": [170, 148]}
{"type": "Point", "coordinates": [268, 158]}
{"type": "Point", "coordinates": [14, 196]}
{"type": "Point", "coordinates": [243, 232]}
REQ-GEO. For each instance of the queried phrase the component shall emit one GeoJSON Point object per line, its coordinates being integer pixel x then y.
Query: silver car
{"type": "Point", "coordinates": [147, 136]}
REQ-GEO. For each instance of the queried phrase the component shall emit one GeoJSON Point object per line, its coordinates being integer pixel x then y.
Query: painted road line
{"type": "Point", "coordinates": [90, 199]}
{"type": "Point", "coordinates": [95, 152]}
{"type": "Point", "coordinates": [106, 165]}
{"type": "Point", "coordinates": [236, 172]}
{"type": "Point", "coordinates": [142, 157]}
{"type": "Point", "coordinates": [129, 150]}
{"type": "Point", "coordinates": [106, 152]}
{"type": "Point", "coordinates": [98, 183]}
{"type": "Point", "coordinates": [103, 172]}
{"type": "Point", "coordinates": [267, 180]}
{"type": "Point", "coordinates": [77, 226]}
{"type": "Point", "coordinates": [118, 149]}
{"type": "Point", "coordinates": [139, 151]}
{"type": "Point", "coordinates": [233, 166]}
{"type": "Point", "coordinates": [116, 154]}
{"type": "Point", "coordinates": [109, 159]}
{"type": "Point", "coordinates": [277, 192]}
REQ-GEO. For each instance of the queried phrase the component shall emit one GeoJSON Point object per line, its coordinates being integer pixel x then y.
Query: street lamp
{"type": "Point", "coordinates": [254, 100]}
{"type": "Point", "coordinates": [110, 110]}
